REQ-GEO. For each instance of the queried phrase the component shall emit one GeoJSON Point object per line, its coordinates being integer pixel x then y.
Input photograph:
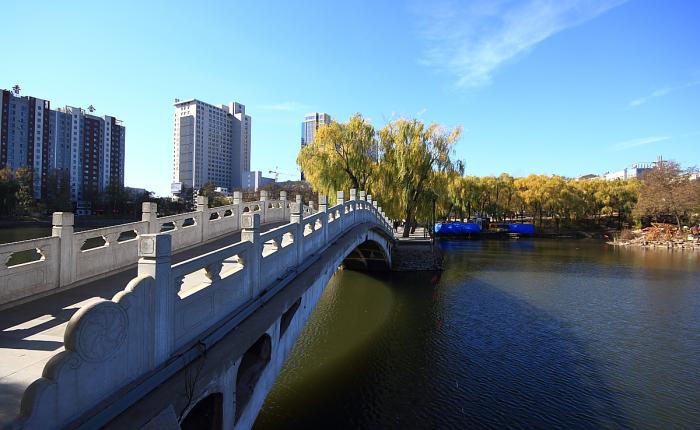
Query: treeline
{"type": "Point", "coordinates": [410, 167]}
{"type": "Point", "coordinates": [17, 197]}
{"type": "Point", "coordinates": [557, 199]}
{"type": "Point", "coordinates": [17, 193]}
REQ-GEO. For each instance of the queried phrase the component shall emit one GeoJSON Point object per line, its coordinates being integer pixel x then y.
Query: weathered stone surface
{"type": "Point", "coordinates": [113, 347]}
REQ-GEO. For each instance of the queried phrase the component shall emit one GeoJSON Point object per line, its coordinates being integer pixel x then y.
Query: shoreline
{"type": "Point", "coordinates": [678, 244]}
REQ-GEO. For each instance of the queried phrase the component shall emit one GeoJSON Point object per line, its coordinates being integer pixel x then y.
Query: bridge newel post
{"type": "Point", "coordinates": [203, 208]}
{"type": "Point", "coordinates": [299, 200]}
{"type": "Point", "coordinates": [285, 209]}
{"type": "Point", "coordinates": [340, 199]}
{"type": "Point", "coordinates": [296, 216]}
{"type": "Point", "coordinates": [323, 209]}
{"type": "Point", "coordinates": [155, 251]}
{"type": "Point", "coordinates": [353, 204]}
{"type": "Point", "coordinates": [149, 213]}
{"type": "Point", "coordinates": [363, 199]}
{"type": "Point", "coordinates": [63, 230]}
{"type": "Point", "coordinates": [237, 200]}
{"type": "Point", "coordinates": [250, 224]}
{"type": "Point", "coordinates": [263, 206]}
{"type": "Point", "coordinates": [237, 197]}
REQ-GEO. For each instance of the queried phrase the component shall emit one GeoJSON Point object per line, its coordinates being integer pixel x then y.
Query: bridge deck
{"type": "Point", "coordinates": [31, 333]}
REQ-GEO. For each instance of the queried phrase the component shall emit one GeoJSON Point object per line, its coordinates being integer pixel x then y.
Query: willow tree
{"type": "Point", "coordinates": [341, 156]}
{"type": "Point", "coordinates": [413, 156]}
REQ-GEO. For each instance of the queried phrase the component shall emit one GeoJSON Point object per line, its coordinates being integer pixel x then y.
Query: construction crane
{"type": "Point", "coordinates": [277, 173]}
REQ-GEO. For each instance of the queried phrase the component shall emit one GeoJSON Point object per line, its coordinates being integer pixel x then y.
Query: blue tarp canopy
{"type": "Point", "coordinates": [457, 228]}
{"type": "Point", "coordinates": [521, 228]}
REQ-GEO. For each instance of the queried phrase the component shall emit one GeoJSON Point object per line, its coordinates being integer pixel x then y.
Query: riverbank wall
{"type": "Point", "coordinates": [416, 256]}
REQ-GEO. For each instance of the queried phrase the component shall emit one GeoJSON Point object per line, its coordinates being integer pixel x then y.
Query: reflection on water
{"type": "Point", "coordinates": [15, 234]}
{"type": "Point", "coordinates": [534, 334]}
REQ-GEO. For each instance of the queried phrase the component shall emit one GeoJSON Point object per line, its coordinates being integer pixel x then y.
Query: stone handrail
{"type": "Point", "coordinates": [166, 308]}
{"type": "Point", "coordinates": [69, 258]}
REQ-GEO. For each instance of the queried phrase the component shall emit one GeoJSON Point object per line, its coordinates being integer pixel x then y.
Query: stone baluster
{"type": "Point", "coordinates": [296, 216]}
{"type": "Point", "coordinates": [285, 209]}
{"type": "Point", "coordinates": [299, 200]}
{"type": "Point", "coordinates": [237, 197]}
{"type": "Point", "coordinates": [149, 213]}
{"type": "Point", "coordinates": [263, 206]}
{"type": "Point", "coordinates": [323, 209]}
{"type": "Point", "coordinates": [250, 224]}
{"type": "Point", "coordinates": [204, 213]}
{"type": "Point", "coordinates": [340, 200]}
{"type": "Point", "coordinates": [155, 252]}
{"type": "Point", "coordinates": [238, 210]}
{"type": "Point", "coordinates": [63, 229]}
{"type": "Point", "coordinates": [369, 204]}
{"type": "Point", "coordinates": [353, 205]}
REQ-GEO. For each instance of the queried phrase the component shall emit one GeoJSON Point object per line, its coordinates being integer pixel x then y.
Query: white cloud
{"type": "Point", "coordinates": [472, 40]}
{"type": "Point", "coordinates": [660, 93]}
{"type": "Point", "coordinates": [633, 143]}
{"type": "Point", "coordinates": [286, 106]}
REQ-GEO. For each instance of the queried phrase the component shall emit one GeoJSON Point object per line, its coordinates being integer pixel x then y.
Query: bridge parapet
{"type": "Point", "coordinates": [69, 258]}
{"type": "Point", "coordinates": [167, 308]}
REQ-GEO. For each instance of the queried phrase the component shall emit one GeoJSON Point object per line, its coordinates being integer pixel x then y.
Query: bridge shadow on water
{"type": "Point", "coordinates": [455, 352]}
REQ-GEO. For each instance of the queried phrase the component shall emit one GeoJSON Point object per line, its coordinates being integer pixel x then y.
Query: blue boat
{"type": "Point", "coordinates": [521, 229]}
{"type": "Point", "coordinates": [457, 228]}
{"type": "Point", "coordinates": [474, 230]}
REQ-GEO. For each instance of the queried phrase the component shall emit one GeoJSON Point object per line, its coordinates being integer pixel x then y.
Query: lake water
{"type": "Point", "coordinates": [518, 334]}
{"type": "Point", "coordinates": [15, 234]}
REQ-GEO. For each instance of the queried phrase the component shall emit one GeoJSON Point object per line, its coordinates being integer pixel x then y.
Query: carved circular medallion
{"type": "Point", "coordinates": [100, 332]}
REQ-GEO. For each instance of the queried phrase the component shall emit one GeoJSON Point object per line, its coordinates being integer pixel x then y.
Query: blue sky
{"type": "Point", "coordinates": [567, 87]}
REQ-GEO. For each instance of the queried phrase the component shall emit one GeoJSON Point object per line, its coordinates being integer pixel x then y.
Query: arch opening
{"type": "Point", "coordinates": [206, 414]}
{"type": "Point", "coordinates": [367, 256]}
{"type": "Point", "coordinates": [288, 315]}
{"type": "Point", "coordinates": [252, 365]}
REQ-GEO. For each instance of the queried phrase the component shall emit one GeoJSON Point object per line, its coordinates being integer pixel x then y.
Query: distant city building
{"type": "Point", "coordinates": [210, 144]}
{"type": "Point", "coordinates": [635, 171]}
{"type": "Point", "coordinates": [253, 181]}
{"type": "Point", "coordinates": [69, 141]}
{"type": "Point", "coordinates": [312, 121]}
{"type": "Point", "coordinates": [134, 193]}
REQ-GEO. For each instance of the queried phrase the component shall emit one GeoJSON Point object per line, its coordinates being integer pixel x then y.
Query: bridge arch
{"type": "Point", "coordinates": [368, 255]}
{"type": "Point", "coordinates": [207, 414]}
{"type": "Point", "coordinates": [253, 363]}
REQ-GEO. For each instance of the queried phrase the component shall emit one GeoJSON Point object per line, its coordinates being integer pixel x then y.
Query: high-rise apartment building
{"type": "Point", "coordinates": [312, 121]}
{"type": "Point", "coordinates": [69, 141]}
{"type": "Point", "coordinates": [210, 144]}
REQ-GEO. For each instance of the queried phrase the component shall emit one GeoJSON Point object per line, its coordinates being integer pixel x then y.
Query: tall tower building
{"type": "Point", "coordinates": [68, 141]}
{"type": "Point", "coordinates": [312, 121]}
{"type": "Point", "coordinates": [210, 144]}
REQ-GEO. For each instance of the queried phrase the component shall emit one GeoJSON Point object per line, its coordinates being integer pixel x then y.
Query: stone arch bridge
{"type": "Point", "coordinates": [198, 344]}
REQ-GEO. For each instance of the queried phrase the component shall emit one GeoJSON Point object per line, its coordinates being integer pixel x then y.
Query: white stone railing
{"type": "Point", "coordinates": [68, 258]}
{"type": "Point", "coordinates": [167, 308]}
